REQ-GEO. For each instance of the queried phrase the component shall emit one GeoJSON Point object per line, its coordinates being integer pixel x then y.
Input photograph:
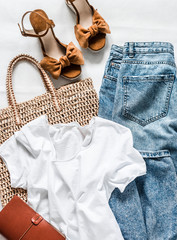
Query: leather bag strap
{"type": "Point", "coordinates": [46, 80]}
{"type": "Point", "coordinates": [34, 221]}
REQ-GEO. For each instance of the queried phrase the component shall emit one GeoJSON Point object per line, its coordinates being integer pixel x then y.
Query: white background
{"type": "Point", "coordinates": [129, 20]}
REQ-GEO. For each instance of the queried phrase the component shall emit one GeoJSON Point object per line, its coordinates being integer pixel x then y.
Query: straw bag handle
{"type": "Point", "coordinates": [9, 88]}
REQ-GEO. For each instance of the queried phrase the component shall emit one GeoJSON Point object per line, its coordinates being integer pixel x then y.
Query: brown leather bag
{"type": "Point", "coordinates": [19, 221]}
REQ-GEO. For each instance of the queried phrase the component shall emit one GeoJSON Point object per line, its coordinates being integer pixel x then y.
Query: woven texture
{"type": "Point", "coordinates": [77, 102]}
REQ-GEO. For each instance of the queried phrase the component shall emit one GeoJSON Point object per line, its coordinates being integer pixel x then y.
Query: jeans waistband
{"type": "Point", "coordinates": [132, 48]}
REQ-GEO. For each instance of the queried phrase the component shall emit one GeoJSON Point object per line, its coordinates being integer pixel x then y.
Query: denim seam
{"type": "Point", "coordinates": [116, 55]}
{"type": "Point", "coordinates": [110, 78]}
{"type": "Point", "coordinates": [140, 51]}
{"type": "Point", "coordinates": [115, 65]}
{"type": "Point", "coordinates": [152, 119]}
{"type": "Point", "coordinates": [153, 78]}
{"type": "Point", "coordinates": [155, 154]}
{"type": "Point", "coordinates": [110, 65]}
{"type": "Point", "coordinates": [150, 45]}
{"type": "Point", "coordinates": [148, 63]}
{"type": "Point", "coordinates": [150, 80]}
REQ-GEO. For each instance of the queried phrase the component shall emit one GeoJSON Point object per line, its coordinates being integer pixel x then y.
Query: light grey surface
{"type": "Point", "coordinates": [129, 20]}
{"type": "Point", "coordinates": [2, 238]}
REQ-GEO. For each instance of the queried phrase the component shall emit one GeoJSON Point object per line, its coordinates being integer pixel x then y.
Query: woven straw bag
{"type": "Point", "coordinates": [73, 102]}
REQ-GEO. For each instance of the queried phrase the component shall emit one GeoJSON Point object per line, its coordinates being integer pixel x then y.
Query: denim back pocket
{"type": "Point", "coordinates": [146, 98]}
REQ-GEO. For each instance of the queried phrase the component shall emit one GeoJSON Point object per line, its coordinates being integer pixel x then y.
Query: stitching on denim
{"type": "Point", "coordinates": [116, 55]}
{"type": "Point", "coordinates": [112, 64]}
{"type": "Point", "coordinates": [142, 51]}
{"type": "Point", "coordinates": [168, 95]}
{"type": "Point", "coordinates": [151, 44]}
{"type": "Point", "coordinates": [115, 65]}
{"type": "Point", "coordinates": [155, 154]}
{"type": "Point", "coordinates": [150, 78]}
{"type": "Point", "coordinates": [148, 63]}
{"type": "Point", "coordinates": [152, 119]}
{"type": "Point", "coordinates": [144, 123]}
{"type": "Point", "coordinates": [125, 97]}
{"type": "Point", "coordinates": [109, 77]}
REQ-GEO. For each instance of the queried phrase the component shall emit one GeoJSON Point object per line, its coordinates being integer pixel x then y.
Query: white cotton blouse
{"type": "Point", "coordinates": [70, 172]}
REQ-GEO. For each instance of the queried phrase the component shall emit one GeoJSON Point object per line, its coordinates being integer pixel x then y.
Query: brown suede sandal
{"type": "Point", "coordinates": [59, 59]}
{"type": "Point", "coordinates": [90, 28]}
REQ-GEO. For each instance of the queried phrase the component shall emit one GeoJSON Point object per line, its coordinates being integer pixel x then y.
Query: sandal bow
{"type": "Point", "coordinates": [99, 26]}
{"type": "Point", "coordinates": [54, 66]}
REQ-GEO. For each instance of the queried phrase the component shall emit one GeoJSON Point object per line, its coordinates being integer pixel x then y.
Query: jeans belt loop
{"type": "Point", "coordinates": [131, 49]}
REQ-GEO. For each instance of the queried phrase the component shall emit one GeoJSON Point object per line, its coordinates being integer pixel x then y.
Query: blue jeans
{"type": "Point", "coordinates": [139, 91]}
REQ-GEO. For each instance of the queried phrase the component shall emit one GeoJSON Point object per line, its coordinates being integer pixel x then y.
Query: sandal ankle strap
{"type": "Point", "coordinates": [71, 2]}
{"type": "Point", "coordinates": [31, 33]}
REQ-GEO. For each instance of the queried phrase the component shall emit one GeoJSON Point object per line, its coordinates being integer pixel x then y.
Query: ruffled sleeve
{"type": "Point", "coordinates": [20, 151]}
